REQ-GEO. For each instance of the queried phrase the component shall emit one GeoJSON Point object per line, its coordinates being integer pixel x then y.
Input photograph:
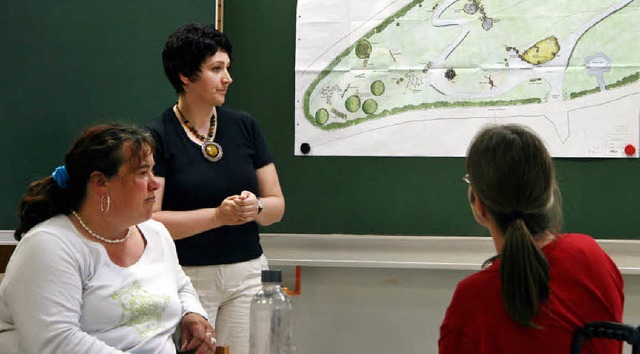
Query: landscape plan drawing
{"type": "Point", "coordinates": [421, 77]}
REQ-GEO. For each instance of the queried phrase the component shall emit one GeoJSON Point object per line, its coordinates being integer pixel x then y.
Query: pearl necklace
{"type": "Point", "coordinates": [103, 239]}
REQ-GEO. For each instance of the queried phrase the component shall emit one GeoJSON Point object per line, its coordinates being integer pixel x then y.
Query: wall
{"type": "Point", "coordinates": [367, 294]}
{"type": "Point", "coordinates": [389, 196]}
{"type": "Point", "coordinates": [71, 64]}
{"type": "Point", "coordinates": [67, 65]}
{"type": "Point", "coordinates": [388, 294]}
{"type": "Point", "coordinates": [380, 311]}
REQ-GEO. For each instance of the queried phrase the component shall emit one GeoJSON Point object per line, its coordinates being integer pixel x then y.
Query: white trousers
{"type": "Point", "coordinates": [225, 292]}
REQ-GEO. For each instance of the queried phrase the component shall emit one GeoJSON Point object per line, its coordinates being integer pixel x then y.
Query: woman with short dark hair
{"type": "Point", "coordinates": [218, 181]}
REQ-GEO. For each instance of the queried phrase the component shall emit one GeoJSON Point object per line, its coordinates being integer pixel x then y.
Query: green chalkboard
{"type": "Point", "coordinates": [67, 66]}
{"type": "Point", "coordinates": [396, 196]}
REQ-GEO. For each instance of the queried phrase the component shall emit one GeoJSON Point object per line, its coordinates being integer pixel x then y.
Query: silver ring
{"type": "Point", "coordinates": [212, 339]}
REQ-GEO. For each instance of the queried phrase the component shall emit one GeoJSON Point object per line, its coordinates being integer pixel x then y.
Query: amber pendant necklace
{"type": "Point", "coordinates": [211, 150]}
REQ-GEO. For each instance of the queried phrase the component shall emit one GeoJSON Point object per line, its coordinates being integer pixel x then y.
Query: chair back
{"type": "Point", "coordinates": [607, 330]}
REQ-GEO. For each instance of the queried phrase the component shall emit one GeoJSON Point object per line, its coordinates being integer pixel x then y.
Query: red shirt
{"type": "Point", "coordinates": [585, 286]}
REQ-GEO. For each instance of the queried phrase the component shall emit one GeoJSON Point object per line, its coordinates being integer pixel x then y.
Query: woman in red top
{"type": "Point", "coordinates": [542, 285]}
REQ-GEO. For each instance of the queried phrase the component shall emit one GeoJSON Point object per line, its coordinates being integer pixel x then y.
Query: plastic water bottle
{"type": "Point", "coordinates": [271, 317]}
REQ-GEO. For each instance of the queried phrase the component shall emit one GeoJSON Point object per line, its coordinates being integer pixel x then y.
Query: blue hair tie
{"type": "Point", "coordinates": [61, 176]}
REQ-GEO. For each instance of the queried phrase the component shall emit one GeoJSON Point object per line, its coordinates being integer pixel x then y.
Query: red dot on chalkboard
{"type": "Point", "coordinates": [629, 150]}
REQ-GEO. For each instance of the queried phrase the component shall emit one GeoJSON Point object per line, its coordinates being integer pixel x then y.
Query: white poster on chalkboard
{"type": "Point", "coordinates": [420, 77]}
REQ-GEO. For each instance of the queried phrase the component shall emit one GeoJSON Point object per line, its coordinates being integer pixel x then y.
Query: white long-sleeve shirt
{"type": "Point", "coordinates": [62, 294]}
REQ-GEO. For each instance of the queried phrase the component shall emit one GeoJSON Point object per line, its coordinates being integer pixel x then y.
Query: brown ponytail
{"type": "Point", "coordinates": [43, 200]}
{"type": "Point", "coordinates": [524, 274]}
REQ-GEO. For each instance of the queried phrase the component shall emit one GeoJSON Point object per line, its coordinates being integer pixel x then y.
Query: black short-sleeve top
{"type": "Point", "coordinates": [192, 182]}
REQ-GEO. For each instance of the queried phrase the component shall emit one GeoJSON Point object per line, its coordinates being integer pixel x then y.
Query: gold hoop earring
{"type": "Point", "coordinates": [104, 208]}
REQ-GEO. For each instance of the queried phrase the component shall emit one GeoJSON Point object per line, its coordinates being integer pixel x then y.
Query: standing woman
{"type": "Point", "coordinates": [217, 181]}
{"type": "Point", "coordinates": [92, 273]}
{"type": "Point", "coordinates": [542, 285]}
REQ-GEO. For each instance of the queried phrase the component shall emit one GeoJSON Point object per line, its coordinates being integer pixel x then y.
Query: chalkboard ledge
{"type": "Point", "coordinates": [411, 252]}
{"type": "Point", "coordinates": [414, 252]}
{"type": "Point", "coordinates": [6, 238]}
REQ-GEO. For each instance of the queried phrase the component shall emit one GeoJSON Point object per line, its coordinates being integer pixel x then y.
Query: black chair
{"type": "Point", "coordinates": [608, 330]}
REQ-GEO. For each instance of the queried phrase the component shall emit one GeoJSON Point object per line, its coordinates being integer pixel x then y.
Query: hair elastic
{"type": "Point", "coordinates": [61, 176]}
{"type": "Point", "coordinates": [515, 215]}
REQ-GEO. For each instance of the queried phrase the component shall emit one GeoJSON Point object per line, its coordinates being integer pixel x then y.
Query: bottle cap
{"type": "Point", "coordinates": [272, 276]}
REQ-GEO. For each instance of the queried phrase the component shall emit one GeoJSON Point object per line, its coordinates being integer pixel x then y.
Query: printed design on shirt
{"type": "Point", "coordinates": [141, 309]}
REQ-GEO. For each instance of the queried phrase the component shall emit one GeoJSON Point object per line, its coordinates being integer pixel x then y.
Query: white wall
{"type": "Point", "coordinates": [376, 294]}
{"type": "Point", "coordinates": [368, 311]}
{"type": "Point", "coordinates": [370, 294]}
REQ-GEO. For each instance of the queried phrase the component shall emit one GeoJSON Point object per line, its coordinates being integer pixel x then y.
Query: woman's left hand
{"type": "Point", "coordinates": [247, 206]}
{"type": "Point", "coordinates": [197, 334]}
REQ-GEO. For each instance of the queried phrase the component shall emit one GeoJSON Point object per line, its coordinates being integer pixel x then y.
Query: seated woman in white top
{"type": "Point", "coordinates": [92, 273]}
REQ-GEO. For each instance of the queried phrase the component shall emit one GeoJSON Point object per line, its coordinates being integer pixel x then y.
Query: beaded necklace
{"type": "Point", "coordinates": [103, 239]}
{"type": "Point", "coordinates": [211, 150]}
{"type": "Point", "coordinates": [194, 131]}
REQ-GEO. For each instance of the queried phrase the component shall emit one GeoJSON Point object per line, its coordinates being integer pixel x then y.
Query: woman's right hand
{"type": "Point", "coordinates": [197, 336]}
{"type": "Point", "coordinates": [229, 213]}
